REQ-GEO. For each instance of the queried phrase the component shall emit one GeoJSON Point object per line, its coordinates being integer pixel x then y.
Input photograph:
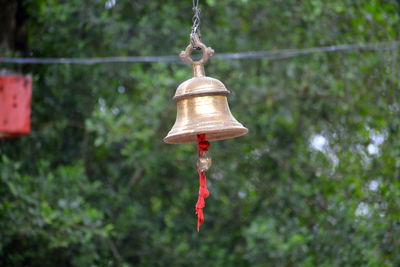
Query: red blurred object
{"type": "Point", "coordinates": [15, 105]}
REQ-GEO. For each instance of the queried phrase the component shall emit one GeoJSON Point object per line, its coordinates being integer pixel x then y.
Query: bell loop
{"type": "Point", "coordinates": [207, 52]}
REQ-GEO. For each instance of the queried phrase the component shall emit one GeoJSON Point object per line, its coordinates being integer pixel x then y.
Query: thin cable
{"type": "Point", "coordinates": [269, 55]}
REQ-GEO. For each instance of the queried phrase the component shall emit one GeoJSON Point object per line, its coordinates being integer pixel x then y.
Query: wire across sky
{"type": "Point", "coordinates": [269, 55]}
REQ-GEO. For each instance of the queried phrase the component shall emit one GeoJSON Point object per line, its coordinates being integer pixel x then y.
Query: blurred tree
{"type": "Point", "coordinates": [316, 182]}
{"type": "Point", "coordinates": [13, 34]}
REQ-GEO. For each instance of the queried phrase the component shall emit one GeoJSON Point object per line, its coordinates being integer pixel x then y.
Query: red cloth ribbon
{"type": "Point", "coordinates": [203, 145]}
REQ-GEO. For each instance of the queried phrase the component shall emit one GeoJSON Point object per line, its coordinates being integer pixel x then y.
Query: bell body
{"type": "Point", "coordinates": [202, 108]}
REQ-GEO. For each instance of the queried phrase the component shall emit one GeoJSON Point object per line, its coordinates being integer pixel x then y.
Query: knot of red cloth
{"type": "Point", "coordinates": [203, 146]}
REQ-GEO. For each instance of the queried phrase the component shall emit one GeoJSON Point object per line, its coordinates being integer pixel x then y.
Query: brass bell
{"type": "Point", "coordinates": [202, 106]}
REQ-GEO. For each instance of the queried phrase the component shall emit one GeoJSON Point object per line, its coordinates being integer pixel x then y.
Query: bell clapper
{"type": "Point", "coordinates": [204, 162]}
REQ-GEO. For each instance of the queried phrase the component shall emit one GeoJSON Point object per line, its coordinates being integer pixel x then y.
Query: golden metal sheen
{"type": "Point", "coordinates": [202, 105]}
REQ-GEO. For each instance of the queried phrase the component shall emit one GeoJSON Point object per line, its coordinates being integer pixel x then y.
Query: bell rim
{"type": "Point", "coordinates": [190, 137]}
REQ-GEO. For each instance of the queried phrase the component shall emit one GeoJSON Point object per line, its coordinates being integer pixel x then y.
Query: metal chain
{"type": "Point", "coordinates": [196, 25]}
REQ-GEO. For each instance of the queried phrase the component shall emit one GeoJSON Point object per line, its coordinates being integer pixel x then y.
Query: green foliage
{"type": "Point", "coordinates": [316, 182]}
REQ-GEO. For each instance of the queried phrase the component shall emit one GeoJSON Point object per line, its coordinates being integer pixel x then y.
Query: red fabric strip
{"type": "Point", "coordinates": [203, 146]}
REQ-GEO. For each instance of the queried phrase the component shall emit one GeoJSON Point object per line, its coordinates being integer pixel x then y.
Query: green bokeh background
{"type": "Point", "coordinates": [316, 182]}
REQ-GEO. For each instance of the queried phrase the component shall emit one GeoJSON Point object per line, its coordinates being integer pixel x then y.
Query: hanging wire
{"type": "Point", "coordinates": [269, 55]}
{"type": "Point", "coordinates": [196, 25]}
